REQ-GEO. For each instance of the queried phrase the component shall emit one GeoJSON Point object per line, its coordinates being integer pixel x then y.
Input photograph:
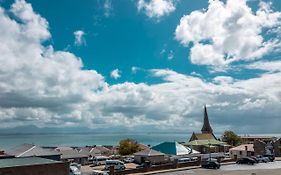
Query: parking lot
{"type": "Point", "coordinates": [272, 168]}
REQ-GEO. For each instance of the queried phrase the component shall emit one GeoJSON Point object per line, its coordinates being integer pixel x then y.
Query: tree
{"type": "Point", "coordinates": [231, 138]}
{"type": "Point", "coordinates": [128, 147]}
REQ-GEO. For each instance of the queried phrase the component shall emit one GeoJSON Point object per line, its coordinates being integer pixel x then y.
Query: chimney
{"type": "Point", "coordinates": [246, 148]}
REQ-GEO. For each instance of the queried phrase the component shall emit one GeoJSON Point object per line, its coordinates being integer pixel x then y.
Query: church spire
{"type": "Point", "coordinates": [206, 125]}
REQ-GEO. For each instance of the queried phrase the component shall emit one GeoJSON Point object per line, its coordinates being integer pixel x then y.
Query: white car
{"type": "Point", "coordinates": [73, 170]}
{"type": "Point", "coordinates": [98, 172]}
{"type": "Point", "coordinates": [99, 160]}
{"type": "Point", "coordinates": [117, 164]}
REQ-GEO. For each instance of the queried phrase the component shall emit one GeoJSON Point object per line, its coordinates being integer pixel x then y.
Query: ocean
{"type": "Point", "coordinates": [82, 139]}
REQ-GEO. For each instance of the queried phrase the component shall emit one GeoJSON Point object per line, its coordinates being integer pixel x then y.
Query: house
{"type": "Point", "coordinates": [153, 156]}
{"type": "Point", "coordinates": [250, 139]}
{"type": "Point", "coordinates": [243, 150]}
{"type": "Point", "coordinates": [31, 150]}
{"type": "Point", "coordinates": [4, 155]}
{"type": "Point", "coordinates": [69, 154]}
{"type": "Point", "coordinates": [90, 151]}
{"type": "Point", "coordinates": [104, 150]}
{"type": "Point", "coordinates": [206, 142]}
{"type": "Point", "coordinates": [33, 165]}
{"type": "Point", "coordinates": [172, 148]}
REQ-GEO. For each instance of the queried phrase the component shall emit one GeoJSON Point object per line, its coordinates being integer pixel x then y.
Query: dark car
{"type": "Point", "coordinates": [246, 160]}
{"type": "Point", "coordinates": [211, 164]}
{"type": "Point", "coordinates": [271, 157]}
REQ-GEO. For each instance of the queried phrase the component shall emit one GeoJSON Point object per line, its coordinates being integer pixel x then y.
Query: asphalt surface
{"type": "Point", "coordinates": [272, 168]}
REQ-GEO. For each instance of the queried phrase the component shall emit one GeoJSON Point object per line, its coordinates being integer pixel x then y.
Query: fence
{"type": "Point", "coordinates": [156, 168]}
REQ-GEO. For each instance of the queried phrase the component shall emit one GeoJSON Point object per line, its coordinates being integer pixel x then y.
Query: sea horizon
{"type": "Point", "coordinates": [12, 140]}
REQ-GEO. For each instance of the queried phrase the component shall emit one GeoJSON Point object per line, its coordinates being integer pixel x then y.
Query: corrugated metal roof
{"type": "Point", "coordinates": [28, 150]}
{"type": "Point", "coordinates": [25, 161]}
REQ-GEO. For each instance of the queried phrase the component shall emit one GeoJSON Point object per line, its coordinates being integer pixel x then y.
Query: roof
{"type": "Point", "coordinates": [206, 142]}
{"type": "Point", "coordinates": [172, 148]}
{"type": "Point", "coordinates": [143, 146]}
{"type": "Point", "coordinates": [242, 147]}
{"type": "Point", "coordinates": [149, 152]}
{"type": "Point", "coordinates": [28, 150]}
{"type": "Point", "coordinates": [71, 154]}
{"type": "Point", "coordinates": [102, 148]}
{"type": "Point", "coordinates": [25, 161]}
{"type": "Point", "coordinates": [89, 151]}
{"type": "Point", "coordinates": [256, 137]}
{"type": "Point", "coordinates": [204, 136]}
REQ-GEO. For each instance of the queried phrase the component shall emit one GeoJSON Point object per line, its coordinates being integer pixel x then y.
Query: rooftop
{"type": "Point", "coordinates": [149, 152]}
{"type": "Point", "coordinates": [28, 150]}
{"type": "Point", "coordinates": [250, 147]}
{"type": "Point", "coordinates": [25, 161]}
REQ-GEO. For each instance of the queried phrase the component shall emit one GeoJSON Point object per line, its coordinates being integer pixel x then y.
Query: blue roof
{"type": "Point", "coordinates": [172, 148]}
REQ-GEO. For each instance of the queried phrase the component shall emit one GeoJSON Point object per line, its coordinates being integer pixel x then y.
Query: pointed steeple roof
{"type": "Point", "coordinates": [206, 125]}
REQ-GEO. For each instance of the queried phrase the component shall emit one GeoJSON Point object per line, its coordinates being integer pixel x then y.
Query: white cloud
{"type": "Point", "coordinates": [270, 66]}
{"type": "Point", "coordinates": [48, 85]}
{"type": "Point", "coordinates": [79, 38]}
{"type": "Point", "coordinates": [115, 74]}
{"type": "Point", "coordinates": [134, 69]}
{"type": "Point", "coordinates": [156, 8]}
{"type": "Point", "coordinates": [45, 87]}
{"type": "Point", "coordinates": [228, 32]}
{"type": "Point", "coordinates": [107, 8]}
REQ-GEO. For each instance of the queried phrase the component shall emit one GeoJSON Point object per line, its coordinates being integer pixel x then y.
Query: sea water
{"type": "Point", "coordinates": [82, 139]}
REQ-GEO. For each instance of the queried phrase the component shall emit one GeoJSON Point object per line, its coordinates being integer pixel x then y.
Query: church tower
{"type": "Point", "coordinates": [206, 125]}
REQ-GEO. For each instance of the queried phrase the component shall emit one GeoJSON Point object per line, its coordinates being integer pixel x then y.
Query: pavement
{"type": "Point", "coordinates": [272, 168]}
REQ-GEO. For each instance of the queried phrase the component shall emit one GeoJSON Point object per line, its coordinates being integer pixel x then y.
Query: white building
{"type": "Point", "coordinates": [243, 150]}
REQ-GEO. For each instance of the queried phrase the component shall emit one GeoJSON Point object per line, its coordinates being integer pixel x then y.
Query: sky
{"type": "Point", "coordinates": [141, 65]}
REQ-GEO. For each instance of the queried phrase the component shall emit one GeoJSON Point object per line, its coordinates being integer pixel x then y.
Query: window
{"type": "Point", "coordinates": [240, 152]}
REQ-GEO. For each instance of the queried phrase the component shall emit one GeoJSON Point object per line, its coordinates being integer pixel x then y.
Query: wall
{"type": "Point", "coordinates": [153, 159]}
{"type": "Point", "coordinates": [43, 169]}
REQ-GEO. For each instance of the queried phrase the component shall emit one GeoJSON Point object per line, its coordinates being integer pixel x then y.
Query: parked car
{"type": "Point", "coordinates": [194, 158]}
{"type": "Point", "coordinates": [98, 172]}
{"type": "Point", "coordinates": [270, 156]}
{"type": "Point", "coordinates": [246, 160]}
{"type": "Point", "coordinates": [99, 160]}
{"type": "Point", "coordinates": [73, 170]}
{"type": "Point", "coordinates": [145, 164]}
{"type": "Point", "coordinates": [76, 165]}
{"type": "Point", "coordinates": [210, 164]}
{"type": "Point", "coordinates": [262, 159]}
{"type": "Point", "coordinates": [184, 160]}
{"type": "Point", "coordinates": [128, 160]}
{"type": "Point", "coordinates": [118, 165]}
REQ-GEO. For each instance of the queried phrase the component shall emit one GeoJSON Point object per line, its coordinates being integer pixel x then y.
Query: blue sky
{"type": "Point", "coordinates": [143, 64]}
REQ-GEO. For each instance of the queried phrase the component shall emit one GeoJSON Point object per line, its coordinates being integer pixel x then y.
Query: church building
{"type": "Point", "coordinates": [206, 141]}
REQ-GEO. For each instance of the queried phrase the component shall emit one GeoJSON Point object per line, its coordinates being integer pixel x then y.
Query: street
{"type": "Point", "coordinates": [272, 168]}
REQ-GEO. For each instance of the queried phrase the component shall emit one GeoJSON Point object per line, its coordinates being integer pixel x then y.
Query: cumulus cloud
{"type": "Point", "coordinates": [228, 32]}
{"type": "Point", "coordinates": [115, 74]}
{"type": "Point", "coordinates": [79, 38]}
{"type": "Point", "coordinates": [156, 8]}
{"type": "Point", "coordinates": [46, 87]}
{"type": "Point", "coordinates": [37, 83]}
